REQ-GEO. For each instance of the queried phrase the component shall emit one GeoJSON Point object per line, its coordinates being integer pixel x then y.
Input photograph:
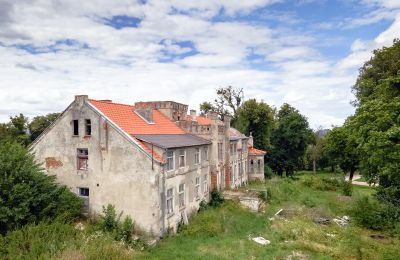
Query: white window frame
{"type": "Point", "coordinates": [169, 201]}
{"type": "Point", "coordinates": [197, 155]}
{"type": "Point", "coordinates": [220, 151]}
{"type": "Point", "coordinates": [80, 193]}
{"type": "Point", "coordinates": [184, 158]}
{"type": "Point", "coordinates": [205, 184]}
{"type": "Point", "coordinates": [173, 161]}
{"type": "Point", "coordinates": [181, 195]}
{"type": "Point", "coordinates": [206, 153]}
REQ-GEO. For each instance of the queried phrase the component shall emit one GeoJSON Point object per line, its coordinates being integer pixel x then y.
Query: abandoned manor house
{"type": "Point", "coordinates": [151, 160]}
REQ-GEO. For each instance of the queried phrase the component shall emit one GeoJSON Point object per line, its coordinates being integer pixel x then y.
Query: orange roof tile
{"type": "Point", "coordinates": [125, 117]}
{"type": "Point", "coordinates": [254, 151]}
{"type": "Point", "coordinates": [201, 120]}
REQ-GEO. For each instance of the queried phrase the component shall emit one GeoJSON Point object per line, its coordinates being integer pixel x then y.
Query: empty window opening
{"type": "Point", "coordinates": [259, 164]}
{"type": "Point", "coordinates": [84, 192]}
{"type": "Point", "coordinates": [205, 184]}
{"type": "Point", "coordinates": [181, 195]}
{"type": "Point", "coordinates": [170, 201]}
{"type": "Point", "coordinates": [76, 127]}
{"type": "Point", "coordinates": [82, 158]}
{"type": "Point", "coordinates": [88, 127]}
{"type": "Point", "coordinates": [197, 188]}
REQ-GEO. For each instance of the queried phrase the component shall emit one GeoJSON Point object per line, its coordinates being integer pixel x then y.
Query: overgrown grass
{"type": "Point", "coordinates": [223, 232]}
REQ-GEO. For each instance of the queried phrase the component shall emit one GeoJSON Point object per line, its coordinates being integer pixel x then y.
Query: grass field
{"type": "Point", "coordinates": [223, 233]}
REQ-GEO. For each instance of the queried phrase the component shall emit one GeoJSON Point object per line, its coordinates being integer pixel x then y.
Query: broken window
{"type": "Point", "coordinates": [82, 158]}
{"type": "Point", "coordinates": [197, 188]}
{"type": "Point", "coordinates": [88, 127]}
{"type": "Point", "coordinates": [182, 158]}
{"type": "Point", "coordinates": [84, 192]}
{"type": "Point", "coordinates": [205, 184]}
{"type": "Point", "coordinates": [170, 201]}
{"type": "Point", "coordinates": [75, 126]}
{"type": "Point", "coordinates": [197, 156]}
{"type": "Point", "coordinates": [181, 195]}
{"type": "Point", "coordinates": [219, 151]}
{"type": "Point", "coordinates": [170, 160]}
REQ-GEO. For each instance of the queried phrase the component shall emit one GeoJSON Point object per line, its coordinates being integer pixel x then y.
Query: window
{"type": "Point", "coordinates": [181, 195]}
{"type": "Point", "coordinates": [205, 184]}
{"type": "Point", "coordinates": [219, 151]}
{"type": "Point", "coordinates": [170, 160]}
{"type": "Point", "coordinates": [170, 201]}
{"type": "Point", "coordinates": [259, 165]}
{"type": "Point", "coordinates": [84, 192]}
{"type": "Point", "coordinates": [197, 156]}
{"type": "Point", "coordinates": [76, 127]}
{"type": "Point", "coordinates": [197, 188]}
{"type": "Point", "coordinates": [88, 127]}
{"type": "Point", "coordinates": [82, 158]}
{"type": "Point", "coordinates": [182, 158]}
{"type": "Point", "coordinates": [251, 166]}
{"type": "Point", "coordinates": [206, 153]}
{"type": "Point", "coordinates": [240, 169]}
{"type": "Point", "coordinates": [233, 148]}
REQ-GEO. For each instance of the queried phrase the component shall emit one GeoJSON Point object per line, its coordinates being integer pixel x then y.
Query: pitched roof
{"type": "Point", "coordinates": [173, 141]}
{"type": "Point", "coordinates": [235, 135]}
{"type": "Point", "coordinates": [254, 151]}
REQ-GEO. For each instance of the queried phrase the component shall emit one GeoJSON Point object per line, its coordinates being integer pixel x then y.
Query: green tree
{"type": "Point", "coordinates": [376, 122]}
{"type": "Point", "coordinates": [341, 145]}
{"type": "Point", "coordinates": [256, 118]}
{"type": "Point", "coordinates": [40, 123]}
{"type": "Point", "coordinates": [18, 129]}
{"type": "Point", "coordinates": [289, 141]}
{"type": "Point", "coordinates": [27, 195]}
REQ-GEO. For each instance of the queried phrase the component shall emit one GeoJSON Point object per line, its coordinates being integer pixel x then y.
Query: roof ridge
{"type": "Point", "coordinates": [113, 103]}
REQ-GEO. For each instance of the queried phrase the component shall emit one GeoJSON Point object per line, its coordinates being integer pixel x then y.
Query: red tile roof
{"type": "Point", "coordinates": [125, 117]}
{"type": "Point", "coordinates": [254, 151]}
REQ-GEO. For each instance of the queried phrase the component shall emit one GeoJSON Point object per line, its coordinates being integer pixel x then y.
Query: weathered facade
{"type": "Point", "coordinates": [152, 160]}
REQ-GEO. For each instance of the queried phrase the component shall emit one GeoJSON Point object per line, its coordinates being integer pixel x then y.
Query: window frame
{"type": "Point", "coordinates": [88, 127]}
{"type": "Point", "coordinates": [169, 201]}
{"type": "Point", "coordinates": [181, 195]}
{"type": "Point", "coordinates": [197, 155]}
{"type": "Point", "coordinates": [197, 188]}
{"type": "Point", "coordinates": [172, 157]}
{"type": "Point", "coordinates": [75, 127]}
{"type": "Point", "coordinates": [206, 153]}
{"type": "Point", "coordinates": [83, 194]}
{"type": "Point", "coordinates": [205, 184]}
{"type": "Point", "coordinates": [220, 151]}
{"type": "Point", "coordinates": [180, 155]}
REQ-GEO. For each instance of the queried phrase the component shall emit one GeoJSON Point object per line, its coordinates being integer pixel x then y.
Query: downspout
{"type": "Point", "coordinates": [163, 200]}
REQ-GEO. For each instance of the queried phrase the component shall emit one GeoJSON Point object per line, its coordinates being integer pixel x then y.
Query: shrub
{"type": "Point", "coordinates": [216, 199]}
{"type": "Point", "coordinates": [27, 194]}
{"type": "Point", "coordinates": [125, 230]}
{"type": "Point", "coordinates": [375, 215]}
{"type": "Point", "coordinates": [268, 173]}
{"type": "Point", "coordinates": [347, 188]}
{"type": "Point", "coordinates": [324, 184]}
{"type": "Point", "coordinates": [263, 195]}
{"type": "Point", "coordinates": [109, 221]}
{"type": "Point", "coordinates": [203, 206]}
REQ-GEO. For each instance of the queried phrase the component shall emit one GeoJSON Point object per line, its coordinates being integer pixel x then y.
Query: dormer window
{"type": "Point", "coordinates": [75, 125]}
{"type": "Point", "coordinates": [88, 127]}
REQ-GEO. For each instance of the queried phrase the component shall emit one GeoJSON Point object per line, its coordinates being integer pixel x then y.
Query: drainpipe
{"type": "Point", "coordinates": [163, 201]}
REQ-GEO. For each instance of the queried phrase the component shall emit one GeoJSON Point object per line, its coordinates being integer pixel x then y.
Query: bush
{"type": "Point", "coordinates": [216, 199]}
{"type": "Point", "coordinates": [203, 206]}
{"type": "Point", "coordinates": [27, 194]}
{"type": "Point", "coordinates": [347, 188]}
{"type": "Point", "coordinates": [375, 215]}
{"type": "Point", "coordinates": [268, 173]}
{"type": "Point", "coordinates": [124, 231]}
{"type": "Point", "coordinates": [109, 221]}
{"type": "Point", "coordinates": [324, 184]}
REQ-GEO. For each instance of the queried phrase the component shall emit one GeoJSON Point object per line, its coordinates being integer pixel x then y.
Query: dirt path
{"type": "Point", "coordinates": [360, 183]}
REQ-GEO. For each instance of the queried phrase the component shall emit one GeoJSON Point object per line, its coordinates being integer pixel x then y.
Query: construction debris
{"type": "Point", "coordinates": [342, 221]}
{"type": "Point", "coordinates": [261, 240]}
{"type": "Point", "coordinates": [322, 221]}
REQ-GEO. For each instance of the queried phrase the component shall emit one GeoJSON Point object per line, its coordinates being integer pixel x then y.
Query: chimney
{"type": "Point", "coordinates": [193, 114]}
{"type": "Point", "coordinates": [81, 98]}
{"type": "Point", "coordinates": [106, 100]}
{"type": "Point", "coordinates": [251, 141]}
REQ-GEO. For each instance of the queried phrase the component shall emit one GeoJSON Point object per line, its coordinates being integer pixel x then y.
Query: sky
{"type": "Point", "coordinates": [303, 52]}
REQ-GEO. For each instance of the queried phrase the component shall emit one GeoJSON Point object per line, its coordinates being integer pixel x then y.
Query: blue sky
{"type": "Point", "coordinates": [303, 52]}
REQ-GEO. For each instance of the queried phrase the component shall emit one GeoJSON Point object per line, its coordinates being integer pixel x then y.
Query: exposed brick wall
{"type": "Point", "coordinates": [227, 177]}
{"type": "Point", "coordinates": [52, 162]}
{"type": "Point", "coordinates": [214, 183]}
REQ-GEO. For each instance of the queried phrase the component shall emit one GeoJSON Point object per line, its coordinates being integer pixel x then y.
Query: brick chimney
{"type": "Point", "coordinates": [80, 99]}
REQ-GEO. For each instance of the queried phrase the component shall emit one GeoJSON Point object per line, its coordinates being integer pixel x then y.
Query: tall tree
{"type": "Point", "coordinates": [256, 118]}
{"type": "Point", "coordinates": [341, 145]}
{"type": "Point", "coordinates": [40, 123]}
{"type": "Point", "coordinates": [228, 101]}
{"type": "Point", "coordinates": [376, 122]}
{"type": "Point", "coordinates": [289, 141]}
{"type": "Point", "coordinates": [16, 129]}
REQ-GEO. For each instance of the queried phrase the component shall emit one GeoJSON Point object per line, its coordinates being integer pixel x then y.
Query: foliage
{"type": "Point", "coordinates": [372, 214]}
{"type": "Point", "coordinates": [40, 123]}
{"type": "Point", "coordinates": [376, 123]}
{"type": "Point", "coordinates": [216, 199]}
{"type": "Point", "coordinates": [15, 130]}
{"type": "Point", "coordinates": [109, 221]}
{"type": "Point", "coordinates": [228, 101]}
{"type": "Point", "coordinates": [256, 118]}
{"type": "Point", "coordinates": [267, 172]}
{"type": "Point", "coordinates": [27, 194]}
{"type": "Point", "coordinates": [341, 146]}
{"type": "Point", "coordinates": [289, 141]}
{"type": "Point", "coordinates": [347, 188]}
{"type": "Point", "coordinates": [203, 206]}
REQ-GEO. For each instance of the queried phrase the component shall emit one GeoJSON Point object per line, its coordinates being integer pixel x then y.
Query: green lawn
{"type": "Point", "coordinates": [223, 233]}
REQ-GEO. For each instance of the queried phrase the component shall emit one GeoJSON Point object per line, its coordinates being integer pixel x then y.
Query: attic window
{"type": "Point", "coordinates": [88, 127]}
{"type": "Point", "coordinates": [76, 127]}
{"type": "Point", "coordinates": [146, 114]}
